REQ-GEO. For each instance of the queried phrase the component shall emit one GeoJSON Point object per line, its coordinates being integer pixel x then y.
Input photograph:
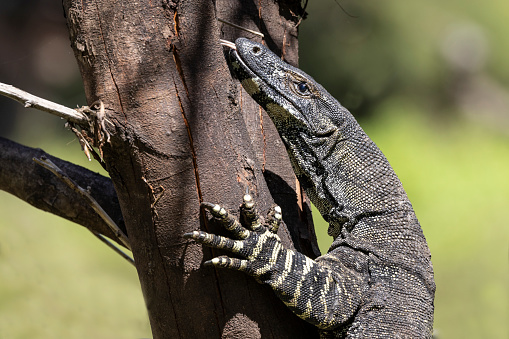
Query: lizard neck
{"type": "Point", "coordinates": [333, 171]}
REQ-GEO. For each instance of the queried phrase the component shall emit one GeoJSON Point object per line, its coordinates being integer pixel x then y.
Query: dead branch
{"type": "Point", "coordinates": [30, 100]}
{"type": "Point", "coordinates": [49, 165]}
{"type": "Point", "coordinates": [20, 176]}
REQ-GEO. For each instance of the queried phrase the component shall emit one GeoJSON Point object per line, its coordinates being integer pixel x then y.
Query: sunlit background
{"type": "Point", "coordinates": [428, 81]}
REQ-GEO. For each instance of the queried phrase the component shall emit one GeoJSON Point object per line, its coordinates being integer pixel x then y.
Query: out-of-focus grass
{"type": "Point", "coordinates": [456, 176]}
{"type": "Point", "coordinates": [58, 281]}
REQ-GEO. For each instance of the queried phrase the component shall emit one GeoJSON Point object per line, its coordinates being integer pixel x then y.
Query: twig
{"type": "Point", "coordinates": [30, 100]}
{"type": "Point", "coordinates": [85, 146]}
{"type": "Point", "coordinates": [85, 117]}
{"type": "Point", "coordinates": [345, 11]}
{"type": "Point", "coordinates": [240, 27]}
{"type": "Point", "coordinates": [228, 43]}
{"type": "Point", "coordinates": [303, 14]}
{"type": "Point", "coordinates": [113, 247]}
{"type": "Point", "coordinates": [49, 165]}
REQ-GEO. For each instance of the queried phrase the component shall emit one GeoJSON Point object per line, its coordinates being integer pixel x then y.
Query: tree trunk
{"type": "Point", "coordinates": [184, 132]}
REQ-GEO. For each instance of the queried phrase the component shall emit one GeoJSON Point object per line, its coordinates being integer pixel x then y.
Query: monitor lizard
{"type": "Point", "coordinates": [376, 280]}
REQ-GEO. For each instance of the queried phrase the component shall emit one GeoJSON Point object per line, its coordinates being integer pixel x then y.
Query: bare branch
{"type": "Point", "coordinates": [49, 165]}
{"type": "Point", "coordinates": [242, 28]}
{"type": "Point", "coordinates": [30, 100]}
{"type": "Point", "coordinates": [20, 176]}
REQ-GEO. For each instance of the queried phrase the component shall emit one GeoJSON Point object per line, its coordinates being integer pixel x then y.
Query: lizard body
{"type": "Point", "coordinates": [376, 280]}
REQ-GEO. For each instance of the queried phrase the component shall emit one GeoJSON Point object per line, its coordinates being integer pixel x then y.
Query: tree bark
{"type": "Point", "coordinates": [185, 133]}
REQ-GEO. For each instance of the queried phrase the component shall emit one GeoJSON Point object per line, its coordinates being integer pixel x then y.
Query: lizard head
{"type": "Point", "coordinates": [295, 102]}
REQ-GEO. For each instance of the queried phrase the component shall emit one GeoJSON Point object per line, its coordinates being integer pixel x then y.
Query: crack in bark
{"type": "Point", "coordinates": [262, 131]}
{"type": "Point", "coordinates": [117, 90]}
{"type": "Point", "coordinates": [191, 143]}
{"type": "Point", "coordinates": [178, 64]}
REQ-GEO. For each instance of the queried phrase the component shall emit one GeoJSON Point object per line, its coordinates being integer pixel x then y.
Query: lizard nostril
{"type": "Point", "coordinates": [256, 49]}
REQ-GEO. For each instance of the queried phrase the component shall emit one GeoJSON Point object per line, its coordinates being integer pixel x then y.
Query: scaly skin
{"type": "Point", "coordinates": [376, 281]}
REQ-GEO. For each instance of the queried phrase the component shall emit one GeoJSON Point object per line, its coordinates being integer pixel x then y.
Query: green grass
{"type": "Point", "coordinates": [58, 281]}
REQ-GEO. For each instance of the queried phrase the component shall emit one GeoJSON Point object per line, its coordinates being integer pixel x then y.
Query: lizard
{"type": "Point", "coordinates": [376, 280]}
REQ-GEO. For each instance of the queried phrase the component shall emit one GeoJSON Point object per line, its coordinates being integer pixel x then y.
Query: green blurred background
{"type": "Point", "coordinates": [428, 81]}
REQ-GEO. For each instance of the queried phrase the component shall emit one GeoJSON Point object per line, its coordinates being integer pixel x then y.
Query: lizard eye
{"type": "Point", "coordinates": [302, 87]}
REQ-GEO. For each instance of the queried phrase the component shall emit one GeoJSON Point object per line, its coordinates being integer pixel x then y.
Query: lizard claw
{"type": "Point", "coordinates": [228, 221]}
{"type": "Point", "coordinates": [250, 214]}
{"type": "Point", "coordinates": [274, 219]}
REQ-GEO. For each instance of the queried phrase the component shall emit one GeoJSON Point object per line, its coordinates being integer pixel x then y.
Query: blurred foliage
{"type": "Point", "coordinates": [36, 57]}
{"type": "Point", "coordinates": [427, 80]}
{"type": "Point", "coordinates": [58, 281]}
{"type": "Point", "coordinates": [434, 53]}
